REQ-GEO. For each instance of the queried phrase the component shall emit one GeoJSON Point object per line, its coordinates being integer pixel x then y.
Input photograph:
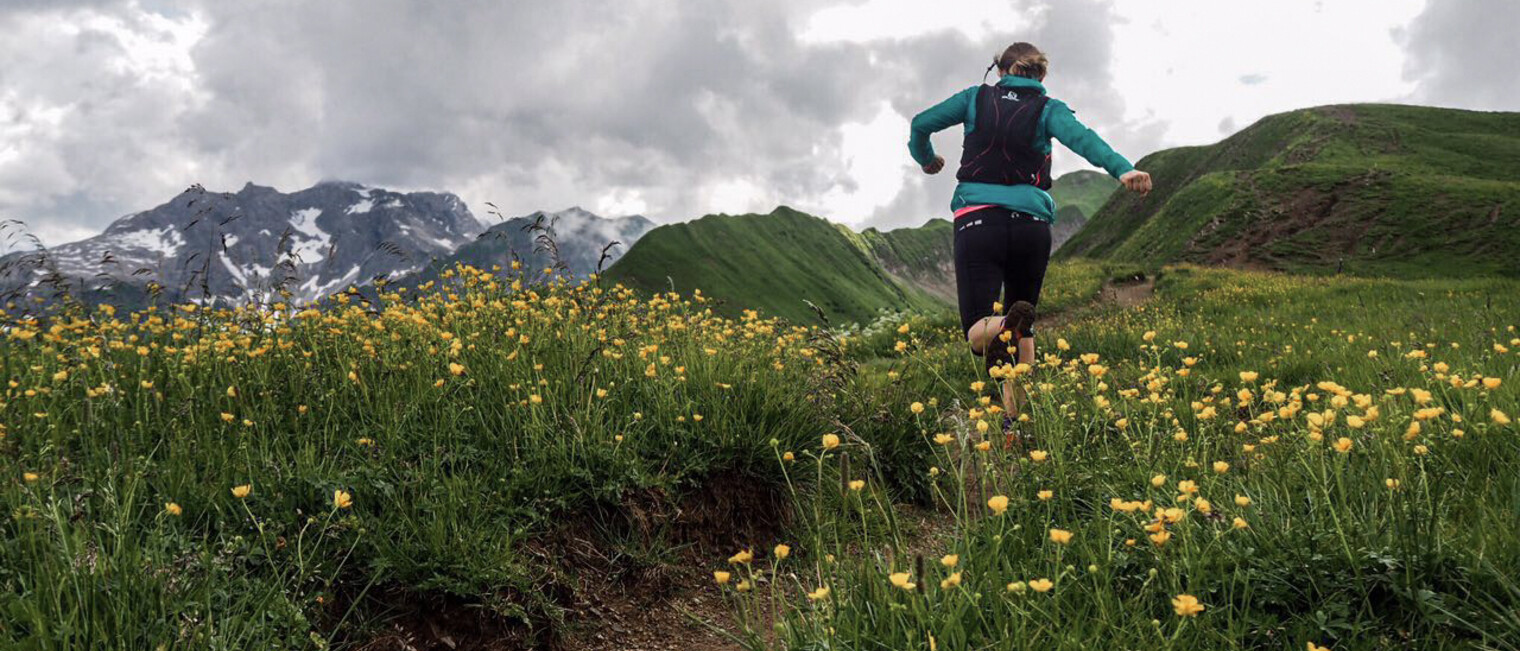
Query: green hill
{"type": "Point", "coordinates": [1078, 197]}
{"type": "Point", "coordinates": [775, 262]}
{"type": "Point", "coordinates": [1085, 190]}
{"type": "Point", "coordinates": [1375, 189]}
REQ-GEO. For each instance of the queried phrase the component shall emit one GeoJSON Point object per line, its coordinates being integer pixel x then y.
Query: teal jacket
{"type": "Point", "coordinates": [1058, 121]}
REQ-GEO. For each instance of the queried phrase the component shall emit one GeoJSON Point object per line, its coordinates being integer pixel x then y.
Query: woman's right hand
{"type": "Point", "coordinates": [935, 166]}
{"type": "Point", "coordinates": [1137, 181]}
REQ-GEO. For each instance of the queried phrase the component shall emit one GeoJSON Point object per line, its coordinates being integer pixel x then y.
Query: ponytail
{"type": "Point", "coordinates": [1023, 60]}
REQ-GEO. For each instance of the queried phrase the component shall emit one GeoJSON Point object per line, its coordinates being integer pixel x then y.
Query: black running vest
{"type": "Point", "coordinates": [1000, 149]}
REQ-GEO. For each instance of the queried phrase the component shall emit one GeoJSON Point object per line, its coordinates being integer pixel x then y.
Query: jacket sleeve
{"type": "Point", "coordinates": [1062, 124]}
{"type": "Point", "coordinates": [939, 117]}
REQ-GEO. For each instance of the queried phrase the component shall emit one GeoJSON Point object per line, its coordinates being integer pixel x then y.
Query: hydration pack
{"type": "Point", "coordinates": [1000, 149]}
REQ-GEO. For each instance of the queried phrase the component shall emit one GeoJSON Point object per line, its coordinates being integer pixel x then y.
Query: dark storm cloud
{"type": "Point", "coordinates": [528, 105]}
{"type": "Point", "coordinates": [1463, 53]}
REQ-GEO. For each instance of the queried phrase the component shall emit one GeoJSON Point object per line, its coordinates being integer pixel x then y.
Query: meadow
{"type": "Point", "coordinates": [1245, 461]}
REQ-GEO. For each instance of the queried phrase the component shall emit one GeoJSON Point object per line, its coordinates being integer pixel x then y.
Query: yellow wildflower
{"type": "Point", "coordinates": [902, 580]}
{"type": "Point", "coordinates": [1186, 605]}
{"type": "Point", "coordinates": [998, 504]}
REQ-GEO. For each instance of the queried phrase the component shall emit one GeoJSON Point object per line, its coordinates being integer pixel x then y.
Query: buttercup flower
{"type": "Point", "coordinates": [1186, 605]}
{"type": "Point", "coordinates": [902, 580]}
{"type": "Point", "coordinates": [998, 504]}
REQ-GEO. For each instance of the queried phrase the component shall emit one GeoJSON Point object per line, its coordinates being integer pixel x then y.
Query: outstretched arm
{"type": "Point", "coordinates": [939, 117]}
{"type": "Point", "coordinates": [1063, 125]}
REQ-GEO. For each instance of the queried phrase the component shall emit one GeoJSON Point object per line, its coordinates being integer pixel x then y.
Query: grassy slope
{"type": "Point", "coordinates": [1078, 197]}
{"type": "Point", "coordinates": [773, 262]}
{"type": "Point", "coordinates": [1085, 190]}
{"type": "Point", "coordinates": [1388, 189]}
{"type": "Point", "coordinates": [922, 256]}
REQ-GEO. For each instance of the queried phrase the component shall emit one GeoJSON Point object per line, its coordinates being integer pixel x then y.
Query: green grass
{"type": "Point", "coordinates": [508, 446]}
{"type": "Point", "coordinates": [1328, 553]}
{"type": "Point", "coordinates": [1366, 189]}
{"type": "Point", "coordinates": [468, 428]}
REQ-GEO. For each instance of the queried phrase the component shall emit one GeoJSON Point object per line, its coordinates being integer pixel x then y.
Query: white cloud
{"type": "Point", "coordinates": [1196, 63]}
{"type": "Point", "coordinates": [872, 168]}
{"type": "Point", "coordinates": [875, 20]}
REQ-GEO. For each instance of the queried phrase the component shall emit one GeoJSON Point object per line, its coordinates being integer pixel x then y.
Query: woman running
{"type": "Point", "coordinates": [1002, 210]}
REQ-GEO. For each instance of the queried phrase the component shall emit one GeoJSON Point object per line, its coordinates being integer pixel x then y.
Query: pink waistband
{"type": "Point", "coordinates": [971, 209]}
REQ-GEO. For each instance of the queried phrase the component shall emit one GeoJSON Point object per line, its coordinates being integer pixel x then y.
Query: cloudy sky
{"type": "Point", "coordinates": [666, 108]}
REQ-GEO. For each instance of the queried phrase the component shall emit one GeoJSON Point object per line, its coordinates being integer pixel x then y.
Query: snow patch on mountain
{"type": "Point", "coordinates": [163, 241]}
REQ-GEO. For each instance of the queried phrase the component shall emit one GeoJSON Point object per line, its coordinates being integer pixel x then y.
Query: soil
{"type": "Point", "coordinates": [1123, 293]}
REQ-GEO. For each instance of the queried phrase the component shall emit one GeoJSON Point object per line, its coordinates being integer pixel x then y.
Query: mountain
{"type": "Point", "coordinates": [578, 237]}
{"type": "Point", "coordinates": [1367, 189]}
{"type": "Point", "coordinates": [204, 245]}
{"type": "Point", "coordinates": [1078, 197]}
{"type": "Point", "coordinates": [780, 261]}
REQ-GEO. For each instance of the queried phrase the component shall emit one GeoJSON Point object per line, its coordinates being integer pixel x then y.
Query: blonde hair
{"type": "Point", "coordinates": [1023, 60]}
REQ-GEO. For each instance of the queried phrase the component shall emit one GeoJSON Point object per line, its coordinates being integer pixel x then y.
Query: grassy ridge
{"type": "Point", "coordinates": [1377, 189]}
{"type": "Point", "coordinates": [1084, 190]}
{"type": "Point", "coordinates": [775, 262]}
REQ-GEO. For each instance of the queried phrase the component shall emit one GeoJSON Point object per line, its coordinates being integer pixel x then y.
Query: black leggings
{"type": "Point", "coordinates": [997, 250]}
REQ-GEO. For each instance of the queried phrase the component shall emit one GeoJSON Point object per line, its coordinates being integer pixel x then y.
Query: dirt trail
{"type": "Point", "coordinates": [684, 617]}
{"type": "Point", "coordinates": [1123, 294]}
